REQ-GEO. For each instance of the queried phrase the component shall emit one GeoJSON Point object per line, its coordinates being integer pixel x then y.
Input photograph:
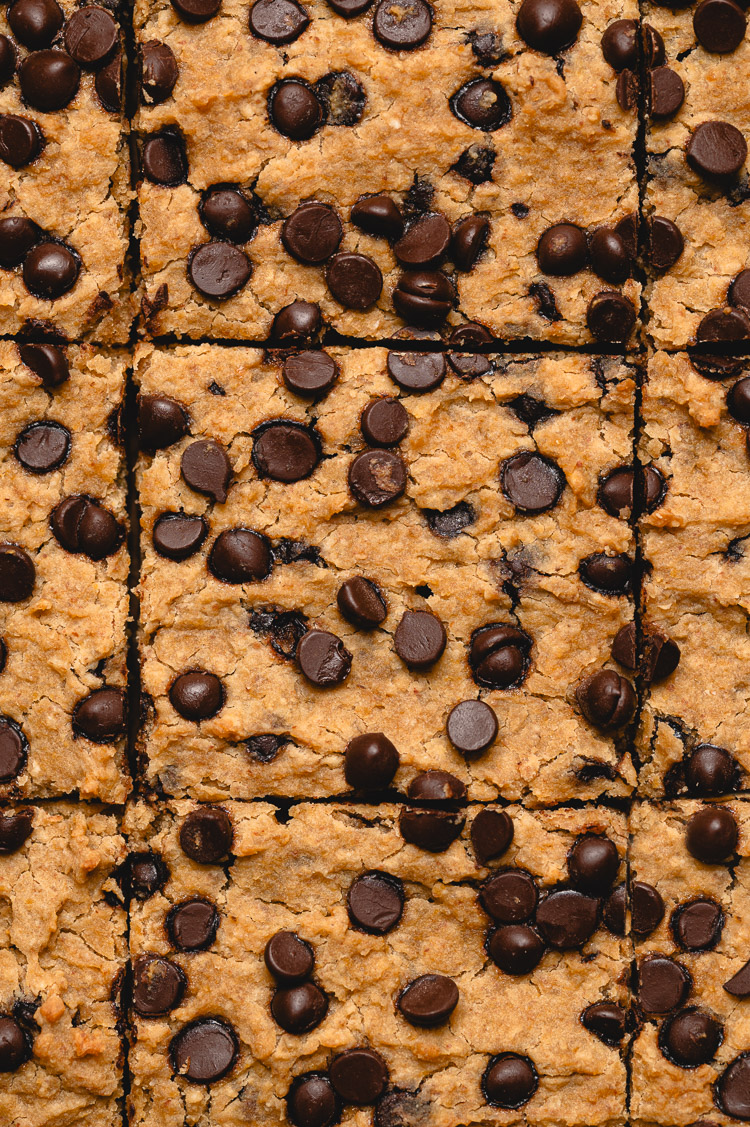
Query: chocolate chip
{"type": "Point", "coordinates": [469, 367]}
{"type": "Point", "coordinates": [48, 80]}
{"type": "Point", "coordinates": [17, 237]}
{"type": "Point", "coordinates": [429, 1000]}
{"type": "Point", "coordinates": [732, 1089]}
{"type": "Point", "coordinates": [289, 959]}
{"type": "Point", "coordinates": [196, 11]}
{"type": "Point", "coordinates": [475, 164]}
{"type": "Point", "coordinates": [15, 829]}
{"type": "Point", "coordinates": [35, 23]}
{"type": "Point", "coordinates": [606, 1020]}
{"type": "Point", "coordinates": [42, 447]}
{"type": "Point", "coordinates": [15, 1046]}
{"type": "Point", "coordinates": [515, 948]}
{"type": "Point", "coordinates": [404, 26]}
{"type": "Point", "coordinates": [665, 243]}
{"type": "Point", "coordinates": [227, 214]}
{"type": "Point", "coordinates": [158, 986]}
{"type": "Point", "coordinates": [468, 240]}
{"type": "Point", "coordinates": [482, 104]}
{"type": "Point", "coordinates": [436, 786]}
{"type": "Point", "coordinates": [284, 450]}
{"type": "Point", "coordinates": [312, 233]}
{"type": "Point", "coordinates": [613, 912]}
{"type": "Point", "coordinates": [451, 522]}
{"type": "Point", "coordinates": [354, 280]}
{"type": "Point", "coordinates": [206, 468]}
{"type": "Point", "coordinates": [162, 421]}
{"type": "Point", "coordinates": [359, 1076]}
{"type": "Point", "coordinates": [159, 72]}
{"type": "Point", "coordinates": [615, 493]}
{"type": "Point", "coordinates": [663, 985]}
{"type": "Point", "coordinates": [219, 270]}
{"type": "Point", "coordinates": [323, 658]}
{"type": "Point", "coordinates": [549, 26]}
{"type": "Point", "coordinates": [606, 699]}
{"type": "Point", "coordinates": [716, 148]}
{"type": "Point", "coordinates": [491, 835]}
{"type": "Point", "coordinates": [627, 229]}
{"type": "Point", "coordinates": [711, 771]}
{"type": "Point", "coordinates": [48, 362]}
{"type": "Point", "coordinates": [240, 555]}
{"type": "Point", "coordinates": [499, 656]}
{"type": "Point", "coordinates": [434, 831]}
{"type": "Point", "coordinates": [719, 25]}
{"type": "Point", "coordinates": [295, 110]}
{"type": "Point", "coordinates": [82, 525]}
{"type": "Point", "coordinates": [509, 897]}
{"type": "Point", "coordinates": [739, 291]}
{"type": "Point", "coordinates": [646, 908]}
{"type": "Point", "coordinates": [147, 874]}
{"type": "Point", "coordinates": [164, 159]}
{"type": "Point", "coordinates": [349, 8]}
{"type": "Point", "coordinates": [376, 902]}
{"type": "Point", "coordinates": [510, 1080]}
{"type": "Point", "coordinates": [14, 749]}
{"type": "Point", "coordinates": [50, 270]}
{"type": "Point", "coordinates": [311, 1100]}
{"type": "Point", "coordinates": [21, 140]}
{"type": "Point", "coordinates": [90, 35]}
{"type": "Point", "coordinates": [712, 834]}
{"type": "Point", "coordinates": [384, 422]}
{"type": "Point", "coordinates": [379, 216]}
{"type": "Point", "coordinates": [660, 655]}
{"type": "Point", "coordinates": [666, 93]}
{"type": "Point", "coordinates": [108, 84]}
{"type": "Point", "coordinates": [205, 1050]}
{"type": "Point", "coordinates": [562, 250]}
{"type": "Point", "coordinates": [593, 863]}
{"type": "Point", "coordinates": [725, 325]}
{"type": "Point", "coordinates": [100, 716]}
{"type": "Point", "coordinates": [192, 925]}
{"type": "Point", "coordinates": [7, 60]}
{"type": "Point", "coordinates": [361, 602]}
{"type": "Point", "coordinates": [197, 695]}
{"type": "Point", "coordinates": [531, 482]}
{"type": "Point", "coordinates": [691, 1038]}
{"type": "Point", "coordinates": [609, 255]}
{"type": "Point", "coordinates": [296, 323]}
{"type": "Point", "coordinates": [343, 98]}
{"type": "Point", "coordinates": [377, 477]}
{"type": "Point", "coordinates": [567, 919]}
{"type": "Point", "coordinates": [612, 575]}
{"type": "Point", "coordinates": [416, 371]}
{"type": "Point", "coordinates": [425, 243]}
{"type": "Point", "coordinates": [739, 984]}
{"type": "Point", "coordinates": [370, 761]}
{"type": "Point", "coordinates": [738, 400]}
{"type": "Point", "coordinates": [610, 317]}
{"type": "Point", "coordinates": [425, 298]}
{"type": "Point", "coordinates": [620, 45]}
{"type": "Point", "coordinates": [311, 375]}
{"type": "Point", "coordinates": [487, 48]}
{"type": "Point", "coordinates": [206, 834]}
{"type": "Point", "coordinates": [420, 639]}
{"type": "Point", "coordinates": [278, 21]}
{"type": "Point", "coordinates": [178, 536]}
{"type": "Point", "coordinates": [697, 925]}
{"type": "Point", "coordinates": [298, 1009]}
{"type": "Point", "coordinates": [471, 727]}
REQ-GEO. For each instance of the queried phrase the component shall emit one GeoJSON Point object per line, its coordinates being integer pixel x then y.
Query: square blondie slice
{"type": "Point", "coordinates": [63, 572]}
{"type": "Point", "coordinates": [690, 918]}
{"type": "Point", "coordinates": [62, 964]}
{"type": "Point", "coordinates": [697, 199]}
{"type": "Point", "coordinates": [301, 968]}
{"type": "Point", "coordinates": [303, 587]}
{"type": "Point", "coordinates": [64, 173]}
{"type": "Point", "coordinates": [697, 577]}
{"type": "Point", "coordinates": [385, 167]}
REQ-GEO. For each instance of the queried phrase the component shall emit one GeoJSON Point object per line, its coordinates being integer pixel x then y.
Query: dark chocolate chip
{"type": "Point", "coordinates": [21, 140]}
{"type": "Point", "coordinates": [549, 26]}
{"type": "Point", "coordinates": [739, 984]}
{"type": "Point", "coordinates": [697, 925]}
{"type": "Point", "coordinates": [15, 829]}
{"type": "Point", "coordinates": [420, 639]}
{"type": "Point", "coordinates": [609, 255]}
{"type": "Point", "coordinates": [666, 93]}
{"type": "Point", "coordinates": [606, 1020]}
{"type": "Point", "coordinates": [49, 80]}
{"type": "Point", "coordinates": [531, 482]}
{"type": "Point", "coordinates": [593, 863]}
{"type": "Point", "coordinates": [42, 447]}
{"type": "Point", "coordinates": [665, 242]}
{"type": "Point", "coordinates": [147, 874]}
{"type": "Point", "coordinates": [323, 658]}
{"type": "Point", "coordinates": [562, 250]}
{"type": "Point", "coordinates": [354, 280]}
{"type": "Point", "coordinates": [284, 450]}
{"type": "Point", "coordinates": [491, 835]}
{"type": "Point", "coordinates": [711, 771]}
{"type": "Point", "coordinates": [606, 699]}
{"type": "Point", "coordinates": [431, 830]}
{"type": "Point", "coordinates": [719, 26]}
{"type": "Point", "coordinates": [15, 1044]}
{"type": "Point", "coordinates": [468, 240]}
{"type": "Point", "coordinates": [429, 1000]}
{"type": "Point", "coordinates": [178, 536]}
{"type": "Point", "coordinates": [611, 575]}
{"type": "Point", "coordinates": [8, 60]}
{"type": "Point", "coordinates": [516, 948]}
{"type": "Point", "coordinates": [716, 149]}
{"type": "Point", "coordinates": [278, 21]}
{"type": "Point", "coordinates": [610, 317]}
{"type": "Point", "coordinates": [416, 371]}
{"type": "Point", "coordinates": [240, 555]}
{"type": "Point", "coordinates": [295, 109]}
{"type": "Point", "coordinates": [471, 727]}
{"type": "Point", "coordinates": [91, 35]}
{"type": "Point", "coordinates": [483, 104]}
{"type": "Point", "coordinates": [620, 45]}
{"type": "Point", "coordinates": [370, 761]}
{"type": "Point", "coordinates": [192, 925]}
{"type": "Point", "coordinates": [196, 11]}
{"type": "Point", "coordinates": [663, 985]}
{"type": "Point", "coordinates": [567, 919]}
{"type": "Point", "coordinates": [712, 834]}
{"type": "Point", "coordinates": [310, 374]}
{"type": "Point", "coordinates": [205, 1050]}
{"type": "Point", "coordinates": [82, 525]}
{"type": "Point", "coordinates": [158, 986]}
{"type": "Point", "coordinates": [343, 97]}
{"type": "Point", "coordinates": [108, 84]}
{"type": "Point", "coordinates": [690, 1038]}
{"type": "Point", "coordinates": [227, 214]}
{"type": "Point", "coordinates": [298, 1009]}
{"type": "Point", "coordinates": [296, 323]}
{"type": "Point", "coordinates": [646, 908]}
{"type": "Point", "coordinates": [219, 270]}
{"type": "Point", "coordinates": [376, 902]}
{"type": "Point", "coordinates": [499, 656]}
{"type": "Point", "coordinates": [510, 897]}
{"type": "Point", "coordinates": [510, 1080]}
{"type": "Point", "coordinates": [379, 216]}
{"type": "Point", "coordinates": [164, 159]}
{"type": "Point", "coordinates": [613, 912]}
{"type": "Point", "coordinates": [17, 237]}
{"type": "Point", "coordinates": [451, 522]}
{"type": "Point", "coordinates": [436, 786]}
{"type": "Point", "coordinates": [311, 1100]}
{"type": "Point", "coordinates": [100, 716]}
{"type": "Point", "coordinates": [35, 23]}
{"type": "Point", "coordinates": [424, 298]}
{"type": "Point", "coordinates": [50, 270]}
{"type": "Point", "coordinates": [162, 421]}
{"type": "Point", "coordinates": [384, 422]}
{"type": "Point", "coordinates": [14, 749]}
{"type": "Point", "coordinates": [732, 1089]}
{"type": "Point", "coordinates": [197, 695]}
{"type": "Point", "coordinates": [48, 362]}
{"type": "Point", "coordinates": [206, 834]}
{"type": "Point", "coordinates": [312, 233]}
{"type": "Point", "coordinates": [425, 244]}
{"type": "Point", "coordinates": [289, 959]}
{"type": "Point", "coordinates": [359, 1076]}
{"type": "Point", "coordinates": [159, 71]}
{"type": "Point", "coordinates": [206, 468]}
{"type": "Point", "coordinates": [404, 26]}
{"type": "Point", "coordinates": [726, 325]}
{"type": "Point", "coordinates": [377, 477]}
{"type": "Point", "coordinates": [362, 603]}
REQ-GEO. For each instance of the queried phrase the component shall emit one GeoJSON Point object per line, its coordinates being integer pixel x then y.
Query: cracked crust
{"type": "Point", "coordinates": [696, 588]}
{"type": "Point", "coordinates": [68, 638]}
{"type": "Point", "coordinates": [511, 568]}
{"type": "Point", "coordinates": [281, 878]}
{"type": "Point", "coordinates": [62, 951]}
{"type": "Point", "coordinates": [661, 1092]}
{"type": "Point", "coordinates": [565, 118]}
{"type": "Point", "coordinates": [713, 220]}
